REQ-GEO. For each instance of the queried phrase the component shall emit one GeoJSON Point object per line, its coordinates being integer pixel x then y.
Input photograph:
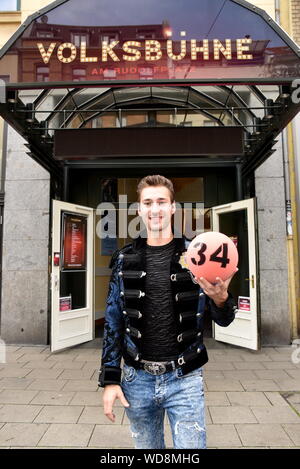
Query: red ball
{"type": "Point", "coordinates": [212, 254]}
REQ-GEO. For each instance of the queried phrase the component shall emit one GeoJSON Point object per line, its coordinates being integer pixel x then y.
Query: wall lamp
{"type": "Point", "coordinates": [12, 96]}
{"type": "Point", "coordinates": [269, 108]}
{"type": "Point", "coordinates": [29, 113]}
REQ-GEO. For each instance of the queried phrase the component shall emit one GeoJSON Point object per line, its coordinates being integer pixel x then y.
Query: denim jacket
{"type": "Point", "coordinates": [124, 308]}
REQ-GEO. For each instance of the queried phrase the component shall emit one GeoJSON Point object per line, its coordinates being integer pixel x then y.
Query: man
{"type": "Point", "coordinates": [154, 320]}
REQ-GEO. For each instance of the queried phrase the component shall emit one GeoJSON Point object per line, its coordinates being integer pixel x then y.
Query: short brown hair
{"type": "Point", "coordinates": [155, 180]}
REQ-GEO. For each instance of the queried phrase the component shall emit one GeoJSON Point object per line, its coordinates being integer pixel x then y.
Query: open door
{"type": "Point", "coordinates": [72, 278]}
{"type": "Point", "coordinates": [237, 220]}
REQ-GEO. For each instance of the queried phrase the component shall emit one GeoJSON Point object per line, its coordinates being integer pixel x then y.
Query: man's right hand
{"type": "Point", "coordinates": [110, 394]}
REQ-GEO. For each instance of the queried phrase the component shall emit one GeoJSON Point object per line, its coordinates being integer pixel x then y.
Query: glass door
{"type": "Point", "coordinates": [237, 220]}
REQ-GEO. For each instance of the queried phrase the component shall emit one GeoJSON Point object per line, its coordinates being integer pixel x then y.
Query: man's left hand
{"type": "Point", "coordinates": [218, 291]}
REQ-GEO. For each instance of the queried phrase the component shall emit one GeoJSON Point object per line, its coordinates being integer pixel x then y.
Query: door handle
{"type": "Point", "coordinates": [252, 280]}
{"type": "Point", "coordinates": [56, 282]}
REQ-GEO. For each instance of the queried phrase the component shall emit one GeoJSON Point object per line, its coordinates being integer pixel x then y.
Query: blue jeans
{"type": "Point", "coordinates": [150, 396]}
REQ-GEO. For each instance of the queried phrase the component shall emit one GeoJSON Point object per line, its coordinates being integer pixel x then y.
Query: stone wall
{"type": "Point", "coordinates": [25, 247]}
{"type": "Point", "coordinates": [273, 262]}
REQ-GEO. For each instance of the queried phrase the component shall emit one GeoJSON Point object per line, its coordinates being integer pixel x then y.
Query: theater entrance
{"type": "Point", "coordinates": [81, 254]}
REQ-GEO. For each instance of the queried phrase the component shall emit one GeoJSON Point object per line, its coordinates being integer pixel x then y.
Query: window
{"type": "Point", "coordinates": [42, 73]}
{"type": "Point", "coordinates": [146, 73]}
{"type": "Point", "coordinates": [145, 35]}
{"type": "Point", "coordinates": [78, 38]}
{"type": "Point", "coordinates": [121, 122]}
{"type": "Point", "coordinates": [209, 123]}
{"type": "Point", "coordinates": [46, 34]}
{"type": "Point", "coordinates": [10, 5]}
{"type": "Point", "coordinates": [109, 37]}
{"type": "Point", "coordinates": [186, 124]}
{"type": "Point", "coordinates": [79, 74]}
{"type": "Point", "coordinates": [109, 74]}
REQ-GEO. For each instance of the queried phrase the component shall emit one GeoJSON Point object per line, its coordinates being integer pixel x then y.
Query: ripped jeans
{"type": "Point", "coordinates": [150, 396]}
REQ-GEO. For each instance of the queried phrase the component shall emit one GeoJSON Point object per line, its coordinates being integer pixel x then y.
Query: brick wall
{"type": "Point", "coordinates": [295, 18]}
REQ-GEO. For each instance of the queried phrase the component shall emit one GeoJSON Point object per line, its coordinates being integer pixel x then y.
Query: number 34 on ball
{"type": "Point", "coordinates": [212, 254]}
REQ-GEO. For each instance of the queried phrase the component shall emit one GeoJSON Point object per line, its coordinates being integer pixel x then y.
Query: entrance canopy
{"type": "Point", "coordinates": [113, 64]}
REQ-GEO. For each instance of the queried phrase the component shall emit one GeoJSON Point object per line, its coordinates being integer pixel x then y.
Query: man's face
{"type": "Point", "coordinates": [156, 209]}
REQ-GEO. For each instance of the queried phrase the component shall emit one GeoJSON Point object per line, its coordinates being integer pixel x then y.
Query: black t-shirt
{"type": "Point", "coordinates": [159, 330]}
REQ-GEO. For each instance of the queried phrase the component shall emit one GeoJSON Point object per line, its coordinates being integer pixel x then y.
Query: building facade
{"type": "Point", "coordinates": [28, 189]}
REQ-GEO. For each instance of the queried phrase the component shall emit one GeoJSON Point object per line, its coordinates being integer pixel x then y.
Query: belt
{"type": "Point", "coordinates": [157, 368]}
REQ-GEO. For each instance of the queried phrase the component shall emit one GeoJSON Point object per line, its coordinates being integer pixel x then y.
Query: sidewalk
{"type": "Point", "coordinates": [53, 401]}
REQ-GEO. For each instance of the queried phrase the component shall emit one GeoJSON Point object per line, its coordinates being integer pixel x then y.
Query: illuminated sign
{"type": "Point", "coordinates": [150, 50]}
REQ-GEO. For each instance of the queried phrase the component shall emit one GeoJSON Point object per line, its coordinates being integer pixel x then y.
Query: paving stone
{"type": "Point", "coordinates": [231, 414]}
{"type": "Point", "coordinates": [214, 398]}
{"type": "Point", "coordinates": [276, 357]}
{"type": "Point", "coordinates": [110, 436]}
{"type": "Point", "coordinates": [67, 365]}
{"type": "Point", "coordinates": [249, 366]}
{"type": "Point", "coordinates": [69, 434]}
{"type": "Point", "coordinates": [288, 365]}
{"type": "Point", "coordinates": [292, 397]}
{"type": "Point", "coordinates": [263, 434]}
{"type": "Point", "coordinates": [90, 398]}
{"type": "Point", "coordinates": [80, 385]}
{"type": "Point", "coordinates": [284, 349]}
{"type": "Point", "coordinates": [260, 385]}
{"type": "Point", "coordinates": [14, 372]}
{"type": "Point", "coordinates": [91, 366]}
{"type": "Point", "coordinates": [59, 414]}
{"type": "Point", "coordinates": [218, 366]}
{"type": "Point", "coordinates": [12, 348]}
{"type": "Point", "coordinates": [272, 374]}
{"type": "Point", "coordinates": [288, 384]}
{"type": "Point", "coordinates": [53, 398]}
{"type": "Point", "coordinates": [59, 357]}
{"type": "Point", "coordinates": [247, 398]}
{"type": "Point", "coordinates": [47, 384]}
{"type": "Point", "coordinates": [222, 435]}
{"type": "Point", "coordinates": [33, 349]}
{"type": "Point", "coordinates": [44, 374]}
{"type": "Point", "coordinates": [213, 374]}
{"type": "Point", "coordinates": [76, 374]}
{"type": "Point", "coordinates": [11, 396]}
{"type": "Point", "coordinates": [255, 356]}
{"type": "Point", "coordinates": [293, 374]}
{"type": "Point", "coordinates": [228, 358]}
{"type": "Point", "coordinates": [275, 398]}
{"type": "Point", "coordinates": [15, 383]}
{"type": "Point", "coordinates": [22, 434]}
{"type": "Point", "coordinates": [239, 375]}
{"type": "Point", "coordinates": [278, 414]}
{"type": "Point", "coordinates": [95, 415]}
{"type": "Point", "coordinates": [27, 357]}
{"type": "Point", "coordinates": [38, 364]}
{"type": "Point", "coordinates": [223, 385]}
{"type": "Point", "coordinates": [18, 413]}
{"type": "Point", "coordinates": [293, 431]}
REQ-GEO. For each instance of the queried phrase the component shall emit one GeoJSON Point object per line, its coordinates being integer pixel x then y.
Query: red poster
{"type": "Point", "coordinates": [244, 303]}
{"type": "Point", "coordinates": [74, 242]}
{"type": "Point", "coordinates": [65, 303]}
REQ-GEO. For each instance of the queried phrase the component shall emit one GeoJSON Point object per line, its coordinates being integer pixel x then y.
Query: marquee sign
{"type": "Point", "coordinates": [153, 50]}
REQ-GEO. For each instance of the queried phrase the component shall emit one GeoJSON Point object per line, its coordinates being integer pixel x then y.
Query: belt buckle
{"type": "Point", "coordinates": [155, 368]}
